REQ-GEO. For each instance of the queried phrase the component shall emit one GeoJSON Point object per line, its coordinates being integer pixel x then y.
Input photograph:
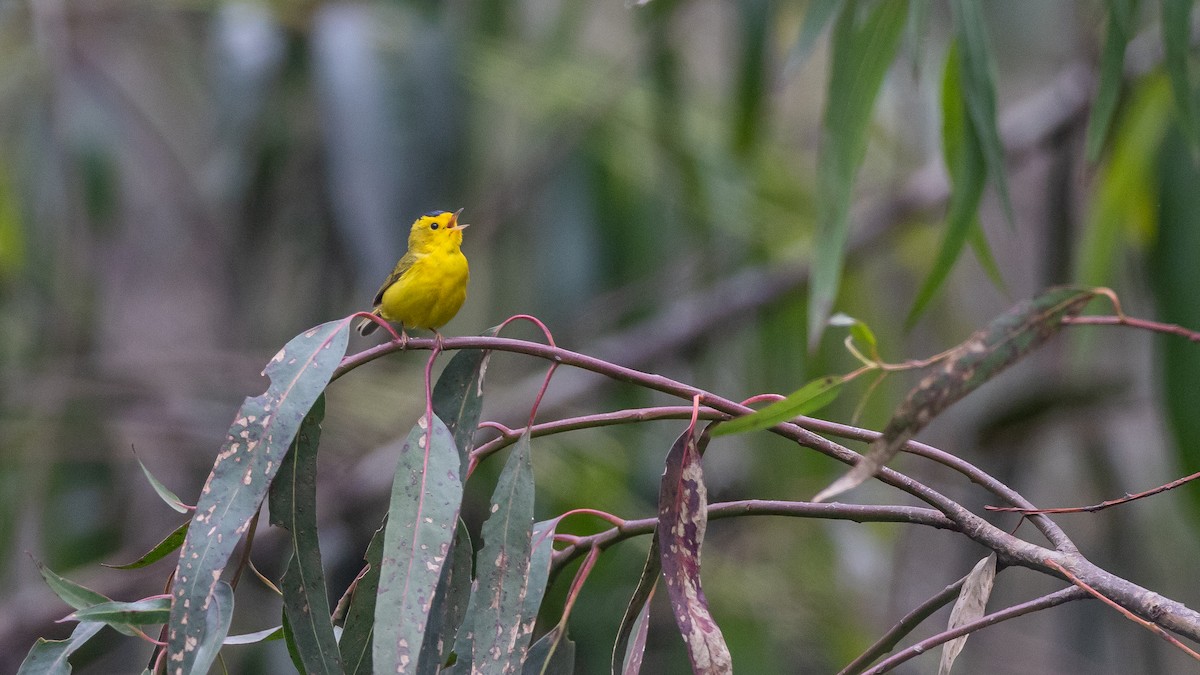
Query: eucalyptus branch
{"type": "Point", "coordinates": [858, 513]}
{"type": "Point", "coordinates": [1045, 602]}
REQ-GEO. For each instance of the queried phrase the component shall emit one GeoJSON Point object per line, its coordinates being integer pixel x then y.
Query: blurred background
{"type": "Point", "coordinates": [186, 185]}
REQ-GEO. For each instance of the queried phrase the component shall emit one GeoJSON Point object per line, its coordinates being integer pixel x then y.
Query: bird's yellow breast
{"type": "Point", "coordinates": [430, 292]}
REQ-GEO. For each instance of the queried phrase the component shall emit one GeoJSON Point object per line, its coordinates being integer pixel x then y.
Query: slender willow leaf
{"type": "Point", "coordinates": [217, 617]}
{"type": "Point", "coordinates": [357, 632]}
{"type": "Point", "coordinates": [627, 653]}
{"type": "Point", "coordinates": [1121, 14]}
{"type": "Point", "coordinates": [984, 355]}
{"type": "Point", "coordinates": [1175, 281]}
{"type": "Point", "coordinates": [970, 606]}
{"type": "Point", "coordinates": [983, 254]}
{"type": "Point", "coordinates": [449, 603]}
{"type": "Point", "coordinates": [426, 496]}
{"type": "Point", "coordinates": [49, 657]}
{"type": "Point", "coordinates": [682, 519]}
{"type": "Point", "coordinates": [756, 18]}
{"type": "Point", "coordinates": [161, 549]}
{"type": "Point", "coordinates": [293, 501]}
{"type": "Point", "coordinates": [161, 490]}
{"type": "Point", "coordinates": [500, 639]}
{"type": "Point", "coordinates": [1176, 32]}
{"type": "Point", "coordinates": [552, 654]}
{"type": "Point", "coordinates": [964, 156]}
{"type": "Point", "coordinates": [76, 595]}
{"type": "Point", "coordinates": [979, 91]}
{"type": "Point", "coordinates": [807, 399]}
{"type": "Point", "coordinates": [458, 396]}
{"type": "Point", "coordinates": [862, 52]}
{"type": "Point", "coordinates": [136, 613]}
{"type": "Point", "coordinates": [254, 448]}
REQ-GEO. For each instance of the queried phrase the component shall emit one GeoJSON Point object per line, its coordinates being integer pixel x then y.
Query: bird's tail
{"type": "Point", "coordinates": [367, 326]}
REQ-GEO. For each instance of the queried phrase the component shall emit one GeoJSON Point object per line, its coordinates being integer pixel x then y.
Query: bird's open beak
{"type": "Point", "coordinates": [454, 221]}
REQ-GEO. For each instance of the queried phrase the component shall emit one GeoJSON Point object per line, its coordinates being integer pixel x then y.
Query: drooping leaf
{"type": "Point", "coordinates": [816, 16]}
{"type": "Point", "coordinates": [293, 501]}
{"type": "Point", "coordinates": [978, 73]}
{"type": "Point", "coordinates": [964, 157]}
{"type": "Point", "coordinates": [458, 396]}
{"type": "Point", "coordinates": [981, 357]}
{"type": "Point", "coordinates": [136, 613]}
{"type": "Point", "coordinates": [254, 447]}
{"type": "Point", "coordinates": [49, 657]}
{"type": "Point", "coordinates": [970, 606]}
{"type": "Point", "coordinates": [500, 628]}
{"type": "Point", "coordinates": [217, 617]}
{"type": "Point", "coordinates": [627, 653]}
{"type": "Point", "coordinates": [755, 19]}
{"type": "Point", "coordinates": [807, 399]}
{"type": "Point", "coordinates": [1175, 282]}
{"type": "Point", "coordinates": [422, 516]}
{"type": "Point", "coordinates": [161, 549]}
{"type": "Point", "coordinates": [163, 492]}
{"type": "Point", "coordinates": [542, 548]}
{"type": "Point", "coordinates": [862, 52]}
{"type": "Point", "coordinates": [1121, 14]}
{"type": "Point", "coordinates": [552, 654]}
{"type": "Point", "coordinates": [682, 519]}
{"type": "Point", "coordinates": [76, 595]}
{"type": "Point", "coordinates": [357, 631]}
{"type": "Point", "coordinates": [1177, 35]}
{"type": "Point", "coordinates": [449, 603]}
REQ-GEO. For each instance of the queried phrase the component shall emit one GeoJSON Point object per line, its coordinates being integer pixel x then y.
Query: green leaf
{"type": "Point", "coordinates": [218, 614]}
{"type": "Point", "coordinates": [553, 654]}
{"type": "Point", "coordinates": [161, 490]}
{"type": "Point", "coordinates": [265, 635]}
{"type": "Point", "coordinates": [49, 657]}
{"type": "Point", "coordinates": [862, 52]}
{"type": "Point", "coordinates": [979, 91]}
{"type": "Point", "coordinates": [860, 331]}
{"type": "Point", "coordinates": [500, 637]}
{"type": "Point", "coordinates": [293, 501]}
{"type": "Point", "coordinates": [449, 603]}
{"type": "Point", "coordinates": [983, 254]}
{"type": "Point", "coordinates": [161, 549]}
{"type": "Point", "coordinates": [254, 448]}
{"type": "Point", "coordinates": [75, 595]}
{"type": "Point", "coordinates": [970, 606]}
{"type": "Point", "coordinates": [627, 653]}
{"type": "Point", "coordinates": [964, 156]}
{"type": "Point", "coordinates": [756, 18]}
{"type": "Point", "coordinates": [356, 642]}
{"type": "Point", "coordinates": [1177, 32]}
{"type": "Point", "coordinates": [137, 613]}
{"type": "Point", "coordinates": [458, 397]}
{"type": "Point", "coordinates": [682, 520]}
{"type": "Point", "coordinates": [426, 496]}
{"type": "Point", "coordinates": [981, 357]}
{"type": "Point", "coordinates": [807, 399]}
{"type": "Point", "coordinates": [1175, 282]}
{"type": "Point", "coordinates": [816, 16]}
{"type": "Point", "coordinates": [1121, 15]}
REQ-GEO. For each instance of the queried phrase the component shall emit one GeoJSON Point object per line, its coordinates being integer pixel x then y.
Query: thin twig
{"type": "Point", "coordinates": [1102, 505]}
{"type": "Point", "coordinates": [1152, 627]}
{"type": "Point", "coordinates": [1045, 602]}
{"type": "Point", "coordinates": [1145, 324]}
{"type": "Point", "coordinates": [892, 637]}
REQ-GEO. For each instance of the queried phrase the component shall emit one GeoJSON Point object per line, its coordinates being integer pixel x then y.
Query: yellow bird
{"type": "Point", "coordinates": [429, 284]}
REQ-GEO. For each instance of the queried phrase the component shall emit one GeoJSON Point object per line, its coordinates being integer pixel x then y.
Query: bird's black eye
{"type": "Point", "coordinates": [433, 226]}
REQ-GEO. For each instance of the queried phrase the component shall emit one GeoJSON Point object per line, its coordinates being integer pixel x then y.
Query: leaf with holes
{"type": "Point", "coordinates": [984, 355]}
{"type": "Point", "coordinates": [293, 502]}
{"type": "Point", "coordinates": [217, 617]}
{"type": "Point", "coordinates": [682, 519]}
{"type": "Point", "coordinates": [449, 603]}
{"type": "Point", "coordinates": [254, 448]}
{"type": "Point", "coordinates": [422, 516]}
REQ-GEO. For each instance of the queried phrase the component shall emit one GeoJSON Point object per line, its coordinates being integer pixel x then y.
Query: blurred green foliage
{"type": "Point", "coordinates": [185, 186]}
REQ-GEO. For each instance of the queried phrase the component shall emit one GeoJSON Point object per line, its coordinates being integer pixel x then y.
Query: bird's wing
{"type": "Point", "coordinates": [403, 266]}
